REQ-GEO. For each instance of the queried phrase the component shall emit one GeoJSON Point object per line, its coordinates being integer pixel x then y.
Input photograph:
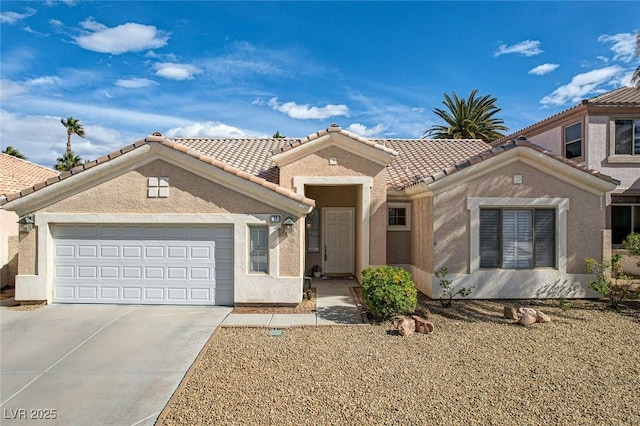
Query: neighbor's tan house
{"type": "Point", "coordinates": [15, 174]}
{"type": "Point", "coordinates": [601, 133]}
{"type": "Point", "coordinates": [236, 221]}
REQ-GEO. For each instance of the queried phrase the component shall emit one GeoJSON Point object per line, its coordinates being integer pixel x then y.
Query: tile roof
{"type": "Point", "coordinates": [619, 97]}
{"type": "Point", "coordinates": [17, 174]}
{"type": "Point", "coordinates": [493, 152]}
{"type": "Point", "coordinates": [417, 160]}
{"type": "Point", "coordinates": [623, 96]}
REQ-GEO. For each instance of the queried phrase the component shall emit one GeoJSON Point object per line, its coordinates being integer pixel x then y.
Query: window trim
{"type": "Point", "coordinates": [533, 213]}
{"type": "Point", "coordinates": [565, 142]}
{"type": "Point", "coordinates": [561, 206]}
{"type": "Point", "coordinates": [398, 205]}
{"type": "Point", "coordinates": [613, 157]}
{"type": "Point", "coordinates": [250, 269]}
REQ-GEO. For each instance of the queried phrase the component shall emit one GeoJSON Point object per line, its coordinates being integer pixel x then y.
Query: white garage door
{"type": "Point", "coordinates": [143, 264]}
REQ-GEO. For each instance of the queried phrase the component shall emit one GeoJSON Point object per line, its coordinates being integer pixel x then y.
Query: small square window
{"type": "Point", "coordinates": [398, 216]}
{"type": "Point", "coordinates": [158, 187]}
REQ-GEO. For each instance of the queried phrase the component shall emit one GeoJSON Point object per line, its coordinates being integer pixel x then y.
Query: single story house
{"type": "Point", "coordinates": [15, 174]}
{"type": "Point", "coordinates": [242, 221]}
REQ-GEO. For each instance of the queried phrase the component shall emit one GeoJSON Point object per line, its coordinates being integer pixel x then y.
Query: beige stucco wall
{"type": "Point", "coordinates": [8, 247]}
{"type": "Point", "coordinates": [124, 197]}
{"type": "Point", "coordinates": [316, 164]}
{"type": "Point", "coordinates": [452, 216]}
{"type": "Point", "coordinates": [550, 139]}
{"type": "Point", "coordinates": [188, 193]}
{"type": "Point", "coordinates": [398, 247]}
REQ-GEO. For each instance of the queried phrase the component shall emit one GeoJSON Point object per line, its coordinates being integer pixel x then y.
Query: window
{"type": "Point", "coordinates": [399, 216]}
{"type": "Point", "coordinates": [573, 141]}
{"type": "Point", "coordinates": [258, 249]}
{"type": "Point", "coordinates": [158, 187]}
{"type": "Point", "coordinates": [627, 137]}
{"type": "Point", "coordinates": [517, 238]}
{"type": "Point", "coordinates": [625, 217]}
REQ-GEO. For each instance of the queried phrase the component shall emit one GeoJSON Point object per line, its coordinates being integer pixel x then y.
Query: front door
{"type": "Point", "coordinates": [338, 240]}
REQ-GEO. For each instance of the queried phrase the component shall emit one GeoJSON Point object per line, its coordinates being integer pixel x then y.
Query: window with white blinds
{"type": "Point", "coordinates": [258, 249]}
{"type": "Point", "coordinates": [517, 238]}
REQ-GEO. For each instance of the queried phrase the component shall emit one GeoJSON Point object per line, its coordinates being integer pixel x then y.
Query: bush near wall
{"type": "Point", "coordinates": [388, 291]}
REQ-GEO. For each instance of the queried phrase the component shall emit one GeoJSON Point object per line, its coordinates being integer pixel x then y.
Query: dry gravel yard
{"type": "Point", "coordinates": [476, 368]}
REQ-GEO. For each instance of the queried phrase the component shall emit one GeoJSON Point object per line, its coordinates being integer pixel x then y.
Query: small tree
{"type": "Point", "coordinates": [277, 135]}
{"type": "Point", "coordinates": [388, 291]}
{"type": "Point", "coordinates": [609, 281]}
{"type": "Point", "coordinates": [446, 293]}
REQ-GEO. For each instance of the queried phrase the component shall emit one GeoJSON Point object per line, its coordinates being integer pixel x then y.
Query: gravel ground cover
{"type": "Point", "coordinates": [477, 367]}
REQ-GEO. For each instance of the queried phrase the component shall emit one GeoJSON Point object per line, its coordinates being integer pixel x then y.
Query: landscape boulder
{"type": "Point", "coordinates": [406, 326]}
{"type": "Point", "coordinates": [527, 319]}
{"type": "Point", "coordinates": [511, 313]}
{"type": "Point", "coordinates": [542, 317]}
{"type": "Point", "coordinates": [422, 325]}
{"type": "Point", "coordinates": [527, 311]}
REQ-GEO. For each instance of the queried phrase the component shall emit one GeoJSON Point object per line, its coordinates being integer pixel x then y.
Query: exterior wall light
{"type": "Point", "coordinates": [25, 224]}
{"type": "Point", "coordinates": [288, 225]}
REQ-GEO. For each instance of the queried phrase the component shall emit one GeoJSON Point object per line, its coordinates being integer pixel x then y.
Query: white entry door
{"type": "Point", "coordinates": [338, 240]}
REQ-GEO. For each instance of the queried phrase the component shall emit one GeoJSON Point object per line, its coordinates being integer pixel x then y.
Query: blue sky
{"type": "Point", "coordinates": [236, 69]}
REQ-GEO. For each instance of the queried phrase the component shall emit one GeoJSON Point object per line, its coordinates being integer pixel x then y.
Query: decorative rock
{"type": "Point", "coordinates": [527, 311]}
{"type": "Point", "coordinates": [542, 317]}
{"type": "Point", "coordinates": [422, 325]}
{"type": "Point", "coordinates": [527, 319]}
{"type": "Point", "coordinates": [406, 326]}
{"type": "Point", "coordinates": [511, 313]}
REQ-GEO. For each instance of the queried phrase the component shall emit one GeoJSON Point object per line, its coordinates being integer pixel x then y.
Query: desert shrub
{"type": "Point", "coordinates": [447, 293]}
{"type": "Point", "coordinates": [608, 280]}
{"type": "Point", "coordinates": [632, 245]}
{"type": "Point", "coordinates": [388, 291]}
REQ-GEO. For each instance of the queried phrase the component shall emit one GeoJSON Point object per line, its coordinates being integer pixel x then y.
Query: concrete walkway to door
{"type": "Point", "coordinates": [334, 306]}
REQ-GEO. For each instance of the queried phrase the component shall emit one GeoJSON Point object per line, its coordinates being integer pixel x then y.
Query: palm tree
{"type": "Point", "coordinates": [277, 135]}
{"type": "Point", "coordinates": [67, 162]}
{"type": "Point", "coordinates": [14, 152]}
{"type": "Point", "coordinates": [636, 74]}
{"type": "Point", "coordinates": [471, 118]}
{"type": "Point", "coordinates": [73, 127]}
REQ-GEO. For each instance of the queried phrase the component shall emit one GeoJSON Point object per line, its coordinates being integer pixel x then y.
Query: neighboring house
{"type": "Point", "coordinates": [602, 133]}
{"type": "Point", "coordinates": [15, 174]}
{"type": "Point", "coordinates": [242, 221]}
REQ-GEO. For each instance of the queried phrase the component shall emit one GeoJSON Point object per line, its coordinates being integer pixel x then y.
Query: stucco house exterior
{"type": "Point", "coordinates": [243, 221]}
{"type": "Point", "coordinates": [602, 133]}
{"type": "Point", "coordinates": [15, 174]}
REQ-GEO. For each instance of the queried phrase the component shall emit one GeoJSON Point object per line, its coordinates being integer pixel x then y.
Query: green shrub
{"type": "Point", "coordinates": [632, 245]}
{"type": "Point", "coordinates": [388, 291]}
{"type": "Point", "coordinates": [609, 281]}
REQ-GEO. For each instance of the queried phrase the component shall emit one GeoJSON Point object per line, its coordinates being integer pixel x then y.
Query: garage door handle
{"type": "Point", "coordinates": [325, 252]}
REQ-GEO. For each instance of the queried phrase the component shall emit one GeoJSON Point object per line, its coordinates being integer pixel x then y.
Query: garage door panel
{"type": "Point", "coordinates": [175, 264]}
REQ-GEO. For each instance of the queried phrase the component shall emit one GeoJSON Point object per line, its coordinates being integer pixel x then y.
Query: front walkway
{"type": "Point", "coordinates": [334, 306]}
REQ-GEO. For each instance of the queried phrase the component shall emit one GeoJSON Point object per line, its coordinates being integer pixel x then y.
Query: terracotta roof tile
{"type": "Point", "coordinates": [17, 174]}
{"type": "Point", "coordinates": [623, 96]}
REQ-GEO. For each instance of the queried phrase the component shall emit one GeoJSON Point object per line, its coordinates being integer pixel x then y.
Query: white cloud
{"type": "Point", "coordinates": [43, 139]}
{"type": "Point", "coordinates": [367, 132]}
{"type": "Point", "coordinates": [129, 37]}
{"type": "Point", "coordinates": [543, 69]}
{"type": "Point", "coordinates": [46, 80]}
{"type": "Point", "coordinates": [55, 23]}
{"type": "Point", "coordinates": [585, 84]}
{"type": "Point", "coordinates": [307, 112]}
{"type": "Point", "coordinates": [623, 45]}
{"type": "Point", "coordinates": [13, 17]}
{"type": "Point", "coordinates": [525, 48]}
{"type": "Point", "coordinates": [135, 83]}
{"type": "Point", "coordinates": [209, 129]}
{"type": "Point", "coordinates": [173, 71]}
{"type": "Point", "coordinates": [9, 89]}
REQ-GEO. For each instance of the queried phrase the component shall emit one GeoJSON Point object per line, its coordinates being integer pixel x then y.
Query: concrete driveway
{"type": "Point", "coordinates": [97, 364]}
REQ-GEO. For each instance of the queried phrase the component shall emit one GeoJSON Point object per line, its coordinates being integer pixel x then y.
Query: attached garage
{"type": "Point", "coordinates": [143, 264]}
